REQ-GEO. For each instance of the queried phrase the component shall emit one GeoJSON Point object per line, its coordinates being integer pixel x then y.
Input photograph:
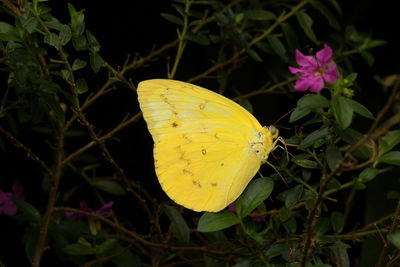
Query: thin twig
{"type": "Point", "coordinates": [393, 228]}
{"type": "Point", "coordinates": [55, 181]}
{"type": "Point", "coordinates": [252, 42]}
{"type": "Point", "coordinates": [28, 151]}
{"type": "Point", "coordinates": [138, 238]}
{"type": "Point", "coordinates": [314, 211]}
{"type": "Point", "coordinates": [103, 138]}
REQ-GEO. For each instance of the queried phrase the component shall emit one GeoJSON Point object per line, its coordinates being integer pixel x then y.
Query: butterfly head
{"type": "Point", "coordinates": [265, 142]}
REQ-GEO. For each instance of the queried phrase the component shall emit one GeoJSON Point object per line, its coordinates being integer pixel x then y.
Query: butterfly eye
{"type": "Point", "coordinates": [274, 131]}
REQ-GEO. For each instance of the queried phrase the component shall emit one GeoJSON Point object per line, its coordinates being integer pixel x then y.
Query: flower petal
{"type": "Point", "coordinates": [331, 74]}
{"type": "Point", "coordinates": [84, 206]}
{"type": "Point", "coordinates": [317, 85]}
{"type": "Point", "coordinates": [305, 61]}
{"type": "Point", "coordinates": [105, 210]}
{"type": "Point", "coordinates": [302, 84]}
{"type": "Point", "coordinates": [6, 205]}
{"type": "Point", "coordinates": [4, 196]}
{"type": "Point", "coordinates": [294, 70]}
{"type": "Point", "coordinates": [232, 207]}
{"type": "Point", "coordinates": [18, 190]}
{"type": "Point", "coordinates": [324, 56]}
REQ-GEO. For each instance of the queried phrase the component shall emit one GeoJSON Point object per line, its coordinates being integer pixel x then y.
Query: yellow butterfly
{"type": "Point", "coordinates": [207, 148]}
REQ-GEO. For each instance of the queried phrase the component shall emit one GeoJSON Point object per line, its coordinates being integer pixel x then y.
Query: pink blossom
{"type": "Point", "coordinates": [315, 70]}
{"type": "Point", "coordinates": [7, 206]}
{"type": "Point", "coordinates": [103, 211]}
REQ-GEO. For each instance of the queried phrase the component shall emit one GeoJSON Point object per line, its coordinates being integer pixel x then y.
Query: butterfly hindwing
{"type": "Point", "coordinates": [201, 143]}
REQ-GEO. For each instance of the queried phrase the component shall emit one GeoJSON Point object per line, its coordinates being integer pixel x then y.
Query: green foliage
{"type": "Point", "coordinates": [58, 83]}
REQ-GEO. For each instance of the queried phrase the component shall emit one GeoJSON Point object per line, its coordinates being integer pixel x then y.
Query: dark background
{"type": "Point", "coordinates": [135, 27]}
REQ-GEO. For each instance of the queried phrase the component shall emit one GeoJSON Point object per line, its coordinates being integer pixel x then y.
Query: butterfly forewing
{"type": "Point", "coordinates": [201, 143]}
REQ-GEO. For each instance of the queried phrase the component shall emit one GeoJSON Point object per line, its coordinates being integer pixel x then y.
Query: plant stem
{"type": "Point", "coordinates": [182, 40]}
{"type": "Point", "coordinates": [59, 152]}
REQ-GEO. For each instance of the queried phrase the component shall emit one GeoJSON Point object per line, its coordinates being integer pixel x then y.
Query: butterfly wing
{"type": "Point", "coordinates": [202, 143]}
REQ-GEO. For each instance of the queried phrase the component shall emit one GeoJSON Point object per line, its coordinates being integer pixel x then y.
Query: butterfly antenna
{"type": "Point", "coordinates": [276, 170]}
{"type": "Point", "coordinates": [284, 115]}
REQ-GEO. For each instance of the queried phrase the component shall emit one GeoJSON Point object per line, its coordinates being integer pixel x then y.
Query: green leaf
{"type": "Point", "coordinates": [392, 158]}
{"type": "Point", "coordinates": [278, 47]}
{"type": "Point", "coordinates": [375, 43]}
{"type": "Point", "coordinates": [290, 35]}
{"type": "Point", "coordinates": [66, 74]}
{"type": "Point", "coordinates": [333, 156]}
{"type": "Point", "coordinates": [107, 246]}
{"type": "Point", "coordinates": [306, 163]}
{"type": "Point", "coordinates": [276, 250]}
{"type": "Point", "coordinates": [327, 14]}
{"type": "Point", "coordinates": [335, 4]}
{"type": "Point", "coordinates": [360, 109]}
{"type": "Point", "coordinates": [77, 20]}
{"type": "Point", "coordinates": [299, 113]}
{"type": "Point", "coordinates": [81, 86]}
{"type": "Point", "coordinates": [285, 214]}
{"type": "Point", "coordinates": [79, 42]}
{"type": "Point", "coordinates": [368, 57]}
{"type": "Point", "coordinates": [79, 249]}
{"type": "Point", "coordinates": [198, 38]}
{"type": "Point", "coordinates": [340, 255]}
{"type": "Point", "coordinates": [210, 222]}
{"type": "Point", "coordinates": [314, 137]}
{"type": "Point", "coordinates": [28, 22]}
{"type": "Point", "coordinates": [96, 61]}
{"type": "Point", "coordinates": [255, 193]}
{"type": "Point", "coordinates": [323, 225]}
{"type": "Point", "coordinates": [389, 141]}
{"type": "Point", "coordinates": [52, 39]}
{"type": "Point", "coordinates": [27, 209]}
{"type": "Point", "coordinates": [349, 80]}
{"type": "Point", "coordinates": [259, 14]}
{"type": "Point", "coordinates": [367, 175]}
{"type": "Point", "coordinates": [253, 54]}
{"type": "Point", "coordinates": [290, 225]}
{"type": "Point", "coordinates": [343, 111]}
{"type": "Point", "coordinates": [54, 23]}
{"type": "Point", "coordinates": [30, 240]}
{"type": "Point", "coordinates": [8, 33]}
{"type": "Point", "coordinates": [313, 101]}
{"type": "Point", "coordinates": [179, 226]}
{"type": "Point", "coordinates": [110, 187]}
{"type": "Point", "coordinates": [172, 18]}
{"type": "Point", "coordinates": [65, 35]}
{"type": "Point", "coordinates": [93, 43]}
{"type": "Point", "coordinates": [306, 23]}
{"type": "Point", "coordinates": [54, 106]}
{"type": "Point", "coordinates": [337, 221]}
{"type": "Point", "coordinates": [293, 195]}
{"type": "Point", "coordinates": [308, 103]}
{"type": "Point", "coordinates": [395, 239]}
{"type": "Point", "coordinates": [78, 64]}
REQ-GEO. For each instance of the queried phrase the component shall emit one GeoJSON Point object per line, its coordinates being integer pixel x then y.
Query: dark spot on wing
{"type": "Point", "coordinates": [196, 182]}
{"type": "Point", "coordinates": [187, 172]}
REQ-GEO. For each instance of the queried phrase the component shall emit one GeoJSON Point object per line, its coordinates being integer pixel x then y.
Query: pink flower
{"type": "Point", "coordinates": [315, 71]}
{"type": "Point", "coordinates": [7, 206]}
{"type": "Point", "coordinates": [103, 211]}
